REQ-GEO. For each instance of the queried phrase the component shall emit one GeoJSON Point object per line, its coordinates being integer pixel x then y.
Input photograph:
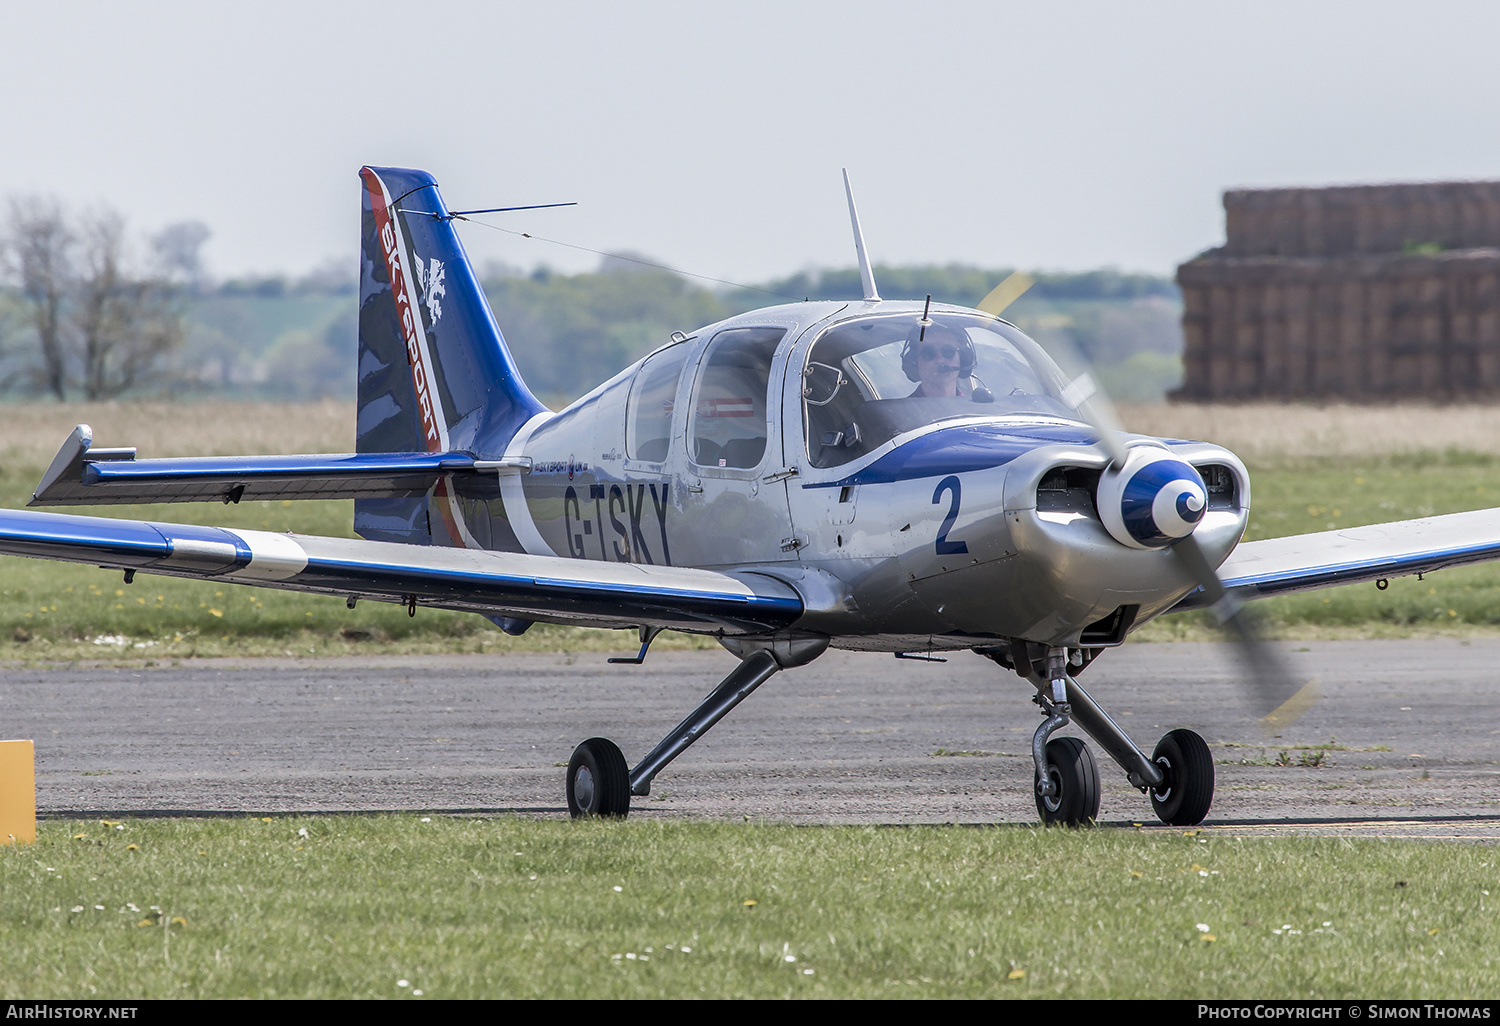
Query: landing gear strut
{"type": "Point", "coordinates": [599, 783]}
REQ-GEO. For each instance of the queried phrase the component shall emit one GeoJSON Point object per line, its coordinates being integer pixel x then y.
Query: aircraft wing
{"type": "Point", "coordinates": [81, 475]}
{"type": "Point", "coordinates": [495, 584]}
{"type": "Point", "coordinates": [1303, 562]}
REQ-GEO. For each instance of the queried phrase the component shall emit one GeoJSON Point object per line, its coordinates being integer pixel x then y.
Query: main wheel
{"type": "Point", "coordinates": [1071, 767]}
{"type": "Point", "coordinates": [1184, 797]}
{"type": "Point", "coordinates": [598, 780]}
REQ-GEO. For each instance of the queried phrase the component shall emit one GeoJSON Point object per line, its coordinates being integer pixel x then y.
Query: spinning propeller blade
{"type": "Point", "coordinates": [1006, 293]}
{"type": "Point", "coordinates": [1274, 692]}
{"type": "Point", "coordinates": [1272, 685]}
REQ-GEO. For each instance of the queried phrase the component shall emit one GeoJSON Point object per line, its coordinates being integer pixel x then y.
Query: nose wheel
{"type": "Point", "coordinates": [598, 780]}
{"type": "Point", "coordinates": [1188, 788]}
{"type": "Point", "coordinates": [1074, 778]}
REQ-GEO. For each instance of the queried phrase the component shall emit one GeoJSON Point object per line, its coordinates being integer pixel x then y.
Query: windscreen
{"type": "Point", "coordinates": [869, 379]}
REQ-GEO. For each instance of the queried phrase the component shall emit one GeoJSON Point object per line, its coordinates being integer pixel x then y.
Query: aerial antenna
{"type": "Point", "coordinates": [450, 215]}
{"type": "Point", "coordinates": [866, 276]}
{"type": "Point", "coordinates": [501, 210]}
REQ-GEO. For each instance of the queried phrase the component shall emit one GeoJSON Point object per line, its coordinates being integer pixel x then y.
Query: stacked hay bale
{"type": "Point", "coordinates": [1352, 293]}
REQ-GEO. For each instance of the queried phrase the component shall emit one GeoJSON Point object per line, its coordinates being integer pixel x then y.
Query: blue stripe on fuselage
{"type": "Point", "coordinates": [960, 449]}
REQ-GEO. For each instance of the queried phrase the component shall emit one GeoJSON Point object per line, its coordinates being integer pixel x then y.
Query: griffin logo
{"type": "Point", "coordinates": [430, 279]}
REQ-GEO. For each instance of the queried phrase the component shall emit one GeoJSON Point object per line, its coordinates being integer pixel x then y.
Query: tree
{"type": "Point", "coordinates": [40, 245]}
{"type": "Point", "coordinates": [99, 323]}
{"type": "Point", "coordinates": [125, 323]}
{"type": "Point", "coordinates": [177, 249]}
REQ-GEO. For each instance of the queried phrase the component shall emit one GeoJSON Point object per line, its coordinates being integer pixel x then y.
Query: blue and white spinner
{"type": "Point", "coordinates": [1152, 501]}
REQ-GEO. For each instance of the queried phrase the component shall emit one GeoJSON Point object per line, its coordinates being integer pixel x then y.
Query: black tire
{"type": "Point", "coordinates": [598, 780]}
{"type": "Point", "coordinates": [1071, 766]}
{"type": "Point", "coordinates": [1185, 796]}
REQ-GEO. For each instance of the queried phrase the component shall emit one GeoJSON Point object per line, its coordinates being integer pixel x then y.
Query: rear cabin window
{"type": "Point", "coordinates": [653, 394]}
{"type": "Point", "coordinates": [728, 428]}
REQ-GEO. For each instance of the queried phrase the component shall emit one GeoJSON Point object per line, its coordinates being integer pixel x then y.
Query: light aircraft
{"type": "Point", "coordinates": [904, 477]}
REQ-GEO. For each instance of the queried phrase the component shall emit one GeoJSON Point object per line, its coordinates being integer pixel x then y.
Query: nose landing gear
{"type": "Point", "coordinates": [1074, 778]}
{"type": "Point", "coordinates": [1067, 778]}
{"type": "Point", "coordinates": [1179, 776]}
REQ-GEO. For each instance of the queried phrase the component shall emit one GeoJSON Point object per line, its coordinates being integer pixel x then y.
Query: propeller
{"type": "Point", "coordinates": [1169, 500]}
{"type": "Point", "coordinates": [1006, 293]}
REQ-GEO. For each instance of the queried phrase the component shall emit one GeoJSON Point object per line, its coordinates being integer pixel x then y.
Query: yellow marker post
{"type": "Point", "coordinates": [17, 792]}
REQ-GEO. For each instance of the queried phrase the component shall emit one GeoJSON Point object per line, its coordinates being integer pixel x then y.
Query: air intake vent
{"type": "Point", "coordinates": [1068, 490]}
{"type": "Point", "coordinates": [1223, 487]}
{"type": "Point", "coordinates": [1110, 630]}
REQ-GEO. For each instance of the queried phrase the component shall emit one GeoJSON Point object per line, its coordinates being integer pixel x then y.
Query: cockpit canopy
{"type": "Point", "coordinates": [869, 379]}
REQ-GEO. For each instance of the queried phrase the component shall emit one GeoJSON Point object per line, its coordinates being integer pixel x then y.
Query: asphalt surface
{"type": "Point", "coordinates": [1404, 742]}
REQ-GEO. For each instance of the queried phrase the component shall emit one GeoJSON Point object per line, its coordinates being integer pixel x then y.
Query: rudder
{"type": "Point", "coordinates": [434, 373]}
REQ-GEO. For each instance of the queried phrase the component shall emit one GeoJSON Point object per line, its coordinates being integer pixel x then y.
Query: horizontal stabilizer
{"type": "Point", "coordinates": [1304, 562]}
{"type": "Point", "coordinates": [81, 475]}
{"type": "Point", "coordinates": [555, 589]}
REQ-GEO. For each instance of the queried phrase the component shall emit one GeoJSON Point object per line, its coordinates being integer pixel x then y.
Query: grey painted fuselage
{"type": "Point", "coordinates": [940, 536]}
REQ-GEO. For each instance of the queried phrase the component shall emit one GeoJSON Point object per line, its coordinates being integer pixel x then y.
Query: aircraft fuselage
{"type": "Point", "coordinates": [955, 531]}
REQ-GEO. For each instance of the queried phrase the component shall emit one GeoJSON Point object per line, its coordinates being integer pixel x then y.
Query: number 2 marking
{"type": "Point", "coordinates": [944, 546]}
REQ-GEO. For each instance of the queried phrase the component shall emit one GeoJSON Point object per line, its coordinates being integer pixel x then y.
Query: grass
{"type": "Point", "coordinates": [1313, 469]}
{"type": "Point", "coordinates": [347, 907]}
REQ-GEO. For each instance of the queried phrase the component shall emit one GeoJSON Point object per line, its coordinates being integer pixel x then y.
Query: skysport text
{"type": "Point", "coordinates": [1278, 1012]}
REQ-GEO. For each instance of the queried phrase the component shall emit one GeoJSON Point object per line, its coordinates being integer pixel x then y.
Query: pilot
{"type": "Point", "coordinates": [940, 360]}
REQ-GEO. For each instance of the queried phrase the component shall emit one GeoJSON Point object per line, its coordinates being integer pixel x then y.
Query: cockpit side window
{"type": "Point", "coordinates": [728, 428]}
{"type": "Point", "coordinates": [653, 395]}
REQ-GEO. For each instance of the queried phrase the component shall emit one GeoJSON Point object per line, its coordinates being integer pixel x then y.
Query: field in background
{"type": "Point", "coordinates": [30, 433]}
{"type": "Point", "coordinates": [1270, 436]}
{"type": "Point", "coordinates": [1313, 469]}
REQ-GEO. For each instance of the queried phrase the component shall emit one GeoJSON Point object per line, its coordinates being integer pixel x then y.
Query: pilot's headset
{"type": "Point", "coordinates": [939, 335]}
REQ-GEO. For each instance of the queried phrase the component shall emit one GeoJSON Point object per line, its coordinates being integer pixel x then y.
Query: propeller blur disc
{"type": "Point", "coordinates": [1006, 293]}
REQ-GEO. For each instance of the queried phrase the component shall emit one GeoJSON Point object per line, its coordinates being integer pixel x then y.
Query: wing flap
{"type": "Point", "coordinates": [81, 475]}
{"type": "Point", "coordinates": [547, 588]}
{"type": "Point", "coordinates": [1304, 562]}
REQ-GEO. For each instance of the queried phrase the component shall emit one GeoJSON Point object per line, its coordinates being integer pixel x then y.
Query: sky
{"type": "Point", "coordinates": [710, 136]}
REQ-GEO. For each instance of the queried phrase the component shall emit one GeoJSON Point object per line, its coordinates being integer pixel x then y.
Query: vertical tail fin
{"type": "Point", "coordinates": [434, 371]}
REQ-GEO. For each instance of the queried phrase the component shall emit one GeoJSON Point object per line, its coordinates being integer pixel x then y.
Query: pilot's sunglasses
{"type": "Point", "coordinates": [933, 352]}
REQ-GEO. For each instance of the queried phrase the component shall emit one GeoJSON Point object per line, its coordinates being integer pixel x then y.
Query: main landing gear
{"type": "Point", "coordinates": [599, 784]}
{"type": "Point", "coordinates": [1179, 776]}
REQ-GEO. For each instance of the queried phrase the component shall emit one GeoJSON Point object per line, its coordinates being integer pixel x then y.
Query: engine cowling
{"type": "Point", "coordinates": [1155, 499]}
